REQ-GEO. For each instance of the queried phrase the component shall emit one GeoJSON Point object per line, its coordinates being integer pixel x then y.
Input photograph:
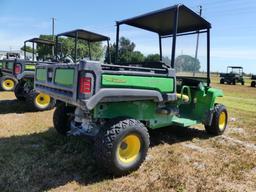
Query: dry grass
{"type": "Point", "coordinates": [35, 158]}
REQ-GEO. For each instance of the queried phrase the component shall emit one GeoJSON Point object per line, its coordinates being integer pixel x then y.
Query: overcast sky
{"type": "Point", "coordinates": [233, 36]}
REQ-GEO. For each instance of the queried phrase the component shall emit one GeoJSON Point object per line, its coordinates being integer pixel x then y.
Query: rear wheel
{"type": "Point", "coordinates": [219, 120]}
{"type": "Point", "coordinates": [122, 146]}
{"type": "Point", "coordinates": [253, 84]}
{"type": "Point", "coordinates": [40, 101]}
{"type": "Point", "coordinates": [7, 84]}
{"type": "Point", "coordinates": [62, 117]}
{"type": "Point", "coordinates": [222, 81]}
{"type": "Point", "coordinates": [234, 82]}
{"type": "Point", "coordinates": [19, 91]}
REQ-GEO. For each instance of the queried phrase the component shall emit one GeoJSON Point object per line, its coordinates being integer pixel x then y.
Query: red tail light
{"type": "Point", "coordinates": [85, 85]}
{"type": "Point", "coordinates": [17, 69]}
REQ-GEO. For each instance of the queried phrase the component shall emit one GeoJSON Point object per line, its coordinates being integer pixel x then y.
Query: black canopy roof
{"type": "Point", "coordinates": [85, 35]}
{"type": "Point", "coordinates": [235, 67]}
{"type": "Point", "coordinates": [40, 41]}
{"type": "Point", "coordinates": [162, 21]}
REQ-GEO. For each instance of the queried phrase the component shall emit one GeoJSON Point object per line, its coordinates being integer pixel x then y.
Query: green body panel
{"type": "Point", "coordinates": [163, 84]}
{"type": "Point", "coordinates": [41, 74]}
{"type": "Point", "coordinates": [64, 77]}
{"type": "Point", "coordinates": [195, 112]}
{"type": "Point", "coordinates": [202, 102]}
{"type": "Point", "coordinates": [30, 67]}
{"type": "Point", "coordinates": [141, 110]}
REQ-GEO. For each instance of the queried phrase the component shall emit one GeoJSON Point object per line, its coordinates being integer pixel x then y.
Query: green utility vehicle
{"type": "Point", "coordinates": [23, 71]}
{"type": "Point", "coordinates": [253, 83]}
{"type": "Point", "coordinates": [116, 104]}
{"type": "Point", "coordinates": [233, 76]}
{"type": "Point", "coordinates": [7, 80]}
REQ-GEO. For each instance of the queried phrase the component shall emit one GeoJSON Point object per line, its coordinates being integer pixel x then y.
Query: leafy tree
{"type": "Point", "coordinates": [67, 47]}
{"type": "Point", "coordinates": [127, 52]}
{"type": "Point", "coordinates": [187, 63]}
{"type": "Point", "coordinates": [152, 58]}
{"type": "Point", "coordinates": [28, 49]}
{"type": "Point", "coordinates": [44, 51]}
{"type": "Point", "coordinates": [137, 56]}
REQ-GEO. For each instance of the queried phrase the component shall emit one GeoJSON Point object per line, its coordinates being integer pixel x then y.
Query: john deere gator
{"type": "Point", "coordinates": [23, 70]}
{"type": "Point", "coordinates": [116, 104]}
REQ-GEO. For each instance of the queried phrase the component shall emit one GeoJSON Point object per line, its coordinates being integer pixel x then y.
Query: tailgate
{"type": "Point", "coordinates": [57, 80]}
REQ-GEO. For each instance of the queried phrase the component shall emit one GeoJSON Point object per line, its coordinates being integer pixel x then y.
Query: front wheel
{"type": "Point", "coordinates": [40, 101]}
{"type": "Point", "coordinates": [219, 120]}
{"type": "Point", "coordinates": [253, 84]}
{"type": "Point", "coordinates": [122, 146]}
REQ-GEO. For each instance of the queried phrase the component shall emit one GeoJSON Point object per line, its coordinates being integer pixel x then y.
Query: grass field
{"type": "Point", "coordinates": [33, 157]}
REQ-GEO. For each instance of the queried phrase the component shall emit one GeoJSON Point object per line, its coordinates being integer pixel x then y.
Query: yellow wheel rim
{"type": "Point", "coordinates": [222, 120]}
{"type": "Point", "coordinates": [8, 84]}
{"type": "Point", "coordinates": [42, 100]}
{"type": "Point", "coordinates": [129, 148]}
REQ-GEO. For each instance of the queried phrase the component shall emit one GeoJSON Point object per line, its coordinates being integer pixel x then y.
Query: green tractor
{"type": "Point", "coordinates": [233, 76]}
{"type": "Point", "coordinates": [23, 70]}
{"type": "Point", "coordinates": [253, 83]}
{"type": "Point", "coordinates": [116, 104]}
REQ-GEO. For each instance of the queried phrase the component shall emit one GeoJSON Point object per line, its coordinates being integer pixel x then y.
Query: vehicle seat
{"type": "Point", "coordinates": [184, 98]}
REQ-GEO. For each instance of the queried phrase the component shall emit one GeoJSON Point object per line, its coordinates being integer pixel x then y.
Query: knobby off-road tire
{"type": "Point", "coordinates": [19, 91]}
{"type": "Point", "coordinates": [7, 84]}
{"type": "Point", "coordinates": [62, 118]}
{"type": "Point", "coordinates": [222, 81]}
{"type": "Point", "coordinates": [253, 83]}
{"type": "Point", "coordinates": [242, 83]}
{"type": "Point", "coordinates": [40, 101]}
{"type": "Point", "coordinates": [219, 121]}
{"type": "Point", "coordinates": [122, 146]}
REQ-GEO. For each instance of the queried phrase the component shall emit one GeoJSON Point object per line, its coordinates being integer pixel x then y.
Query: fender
{"type": "Point", "coordinates": [115, 95]}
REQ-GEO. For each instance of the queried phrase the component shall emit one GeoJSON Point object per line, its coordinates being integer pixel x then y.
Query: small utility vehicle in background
{"type": "Point", "coordinates": [233, 76]}
{"type": "Point", "coordinates": [115, 105]}
{"type": "Point", "coordinates": [24, 71]}
{"type": "Point", "coordinates": [7, 80]}
{"type": "Point", "coordinates": [253, 83]}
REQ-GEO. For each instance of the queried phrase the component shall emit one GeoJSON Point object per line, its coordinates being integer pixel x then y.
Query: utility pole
{"type": "Point", "coordinates": [53, 29]}
{"type": "Point", "coordinates": [197, 43]}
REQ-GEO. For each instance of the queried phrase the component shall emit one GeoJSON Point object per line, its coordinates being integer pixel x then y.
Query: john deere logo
{"type": "Point", "coordinates": [114, 80]}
